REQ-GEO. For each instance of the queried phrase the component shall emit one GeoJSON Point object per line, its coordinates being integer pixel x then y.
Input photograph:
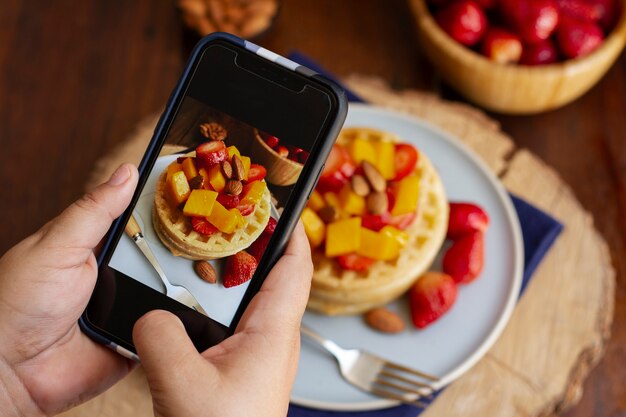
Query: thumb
{"type": "Point", "coordinates": [83, 224]}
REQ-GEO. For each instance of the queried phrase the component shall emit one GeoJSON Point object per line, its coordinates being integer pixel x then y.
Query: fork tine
{"type": "Point", "coordinates": [394, 375]}
{"type": "Point", "coordinates": [410, 371]}
{"type": "Point", "coordinates": [389, 394]}
{"type": "Point", "coordinates": [402, 388]}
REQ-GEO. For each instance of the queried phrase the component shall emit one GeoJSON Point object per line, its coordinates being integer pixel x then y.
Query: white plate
{"type": "Point", "coordinates": [449, 347]}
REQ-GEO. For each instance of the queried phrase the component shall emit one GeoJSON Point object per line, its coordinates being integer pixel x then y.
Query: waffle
{"type": "Point", "coordinates": [175, 232]}
{"type": "Point", "coordinates": [337, 291]}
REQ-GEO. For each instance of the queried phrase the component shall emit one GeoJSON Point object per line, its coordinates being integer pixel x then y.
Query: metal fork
{"type": "Point", "coordinates": [378, 376]}
{"type": "Point", "coordinates": [177, 292]}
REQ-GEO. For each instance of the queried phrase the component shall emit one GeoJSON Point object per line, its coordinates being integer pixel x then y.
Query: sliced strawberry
{"type": "Point", "coordinates": [465, 258]}
{"type": "Point", "coordinates": [271, 226]}
{"type": "Point", "coordinates": [202, 226]}
{"type": "Point", "coordinates": [354, 262]}
{"type": "Point", "coordinates": [211, 153]}
{"type": "Point", "coordinates": [465, 218]}
{"type": "Point", "coordinates": [431, 297]}
{"type": "Point", "coordinates": [245, 209]}
{"type": "Point", "coordinates": [403, 221]}
{"type": "Point", "coordinates": [376, 222]}
{"type": "Point", "coordinates": [282, 151]}
{"type": "Point", "coordinates": [228, 201]}
{"type": "Point", "coordinates": [405, 160]}
{"type": "Point", "coordinates": [257, 248]}
{"type": "Point", "coordinates": [338, 169]}
{"type": "Point", "coordinates": [256, 173]}
{"type": "Point", "coordinates": [272, 141]}
{"type": "Point", "coordinates": [239, 268]}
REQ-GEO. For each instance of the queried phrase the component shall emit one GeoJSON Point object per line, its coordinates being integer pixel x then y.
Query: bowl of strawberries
{"type": "Point", "coordinates": [284, 162]}
{"type": "Point", "coordinates": [521, 56]}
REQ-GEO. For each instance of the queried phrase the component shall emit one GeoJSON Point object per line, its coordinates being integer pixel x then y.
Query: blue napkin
{"type": "Point", "coordinates": [539, 231]}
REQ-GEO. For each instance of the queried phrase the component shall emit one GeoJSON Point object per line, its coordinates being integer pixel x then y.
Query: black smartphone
{"type": "Point", "coordinates": [232, 162]}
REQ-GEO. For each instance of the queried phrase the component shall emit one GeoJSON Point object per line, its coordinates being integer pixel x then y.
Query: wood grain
{"type": "Point", "coordinates": [76, 77]}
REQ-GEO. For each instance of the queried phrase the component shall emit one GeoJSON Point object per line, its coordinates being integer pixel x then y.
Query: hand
{"type": "Point", "coordinates": [46, 363]}
{"type": "Point", "coordinates": [248, 374]}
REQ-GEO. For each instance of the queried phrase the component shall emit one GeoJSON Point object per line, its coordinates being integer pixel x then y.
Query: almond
{"type": "Point", "coordinates": [233, 187]}
{"type": "Point", "coordinates": [384, 320]}
{"type": "Point", "coordinates": [376, 180]}
{"type": "Point", "coordinates": [377, 203]}
{"type": "Point", "coordinates": [360, 185]}
{"type": "Point", "coordinates": [227, 169]}
{"type": "Point", "coordinates": [328, 214]}
{"type": "Point", "coordinates": [196, 182]}
{"type": "Point", "coordinates": [205, 271]}
{"type": "Point", "coordinates": [238, 170]}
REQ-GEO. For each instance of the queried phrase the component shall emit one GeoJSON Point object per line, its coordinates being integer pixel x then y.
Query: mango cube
{"type": "Point", "coordinates": [406, 193]}
{"type": "Point", "coordinates": [200, 203]}
{"type": "Point", "coordinates": [378, 246]}
{"type": "Point", "coordinates": [385, 158]}
{"type": "Point", "coordinates": [343, 236]}
{"type": "Point", "coordinates": [332, 200]}
{"type": "Point", "coordinates": [314, 227]}
{"type": "Point", "coordinates": [241, 221]}
{"type": "Point", "coordinates": [362, 149]}
{"type": "Point", "coordinates": [254, 192]}
{"type": "Point", "coordinates": [401, 236]}
{"type": "Point", "coordinates": [216, 178]}
{"type": "Point", "coordinates": [245, 160]}
{"type": "Point", "coordinates": [177, 189]}
{"type": "Point", "coordinates": [232, 150]}
{"type": "Point", "coordinates": [222, 218]}
{"type": "Point", "coordinates": [189, 168]}
{"type": "Point", "coordinates": [351, 202]}
{"type": "Point", "coordinates": [172, 169]}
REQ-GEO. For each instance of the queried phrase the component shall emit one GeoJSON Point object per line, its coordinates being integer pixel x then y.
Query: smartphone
{"type": "Point", "coordinates": [236, 153]}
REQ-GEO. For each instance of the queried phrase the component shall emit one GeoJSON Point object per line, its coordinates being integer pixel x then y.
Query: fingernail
{"type": "Point", "coordinates": [120, 176]}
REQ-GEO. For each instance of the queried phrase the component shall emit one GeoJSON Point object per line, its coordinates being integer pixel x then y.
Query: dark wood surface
{"type": "Point", "coordinates": [77, 76]}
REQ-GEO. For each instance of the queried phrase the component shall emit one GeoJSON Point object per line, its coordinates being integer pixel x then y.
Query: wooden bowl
{"type": "Point", "coordinates": [280, 170]}
{"type": "Point", "coordinates": [514, 89]}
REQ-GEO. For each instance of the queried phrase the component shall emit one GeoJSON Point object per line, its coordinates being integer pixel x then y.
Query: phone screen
{"type": "Point", "coordinates": [227, 170]}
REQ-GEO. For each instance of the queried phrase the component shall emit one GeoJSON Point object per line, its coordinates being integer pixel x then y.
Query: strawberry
{"type": "Point", "coordinates": [464, 260]}
{"type": "Point", "coordinates": [272, 141]}
{"type": "Point", "coordinates": [486, 4]}
{"type": "Point", "coordinates": [405, 160]}
{"type": "Point", "coordinates": [202, 226]}
{"type": "Point", "coordinates": [338, 169]}
{"type": "Point", "coordinates": [402, 221]}
{"type": "Point", "coordinates": [271, 226]}
{"type": "Point", "coordinates": [465, 218]}
{"type": "Point", "coordinates": [228, 201]}
{"type": "Point", "coordinates": [533, 20]}
{"type": "Point", "coordinates": [577, 38]}
{"type": "Point", "coordinates": [431, 297]}
{"type": "Point", "coordinates": [282, 151]}
{"type": "Point", "coordinates": [294, 153]}
{"type": "Point", "coordinates": [354, 262]}
{"type": "Point", "coordinates": [245, 209]}
{"type": "Point", "coordinates": [609, 12]}
{"type": "Point", "coordinates": [464, 21]}
{"type": "Point", "coordinates": [539, 53]}
{"type": "Point", "coordinates": [502, 46]}
{"type": "Point", "coordinates": [257, 248]}
{"type": "Point", "coordinates": [239, 268]}
{"type": "Point", "coordinates": [256, 173]}
{"type": "Point", "coordinates": [211, 153]}
{"type": "Point", "coordinates": [378, 221]}
{"type": "Point", "coordinates": [580, 9]}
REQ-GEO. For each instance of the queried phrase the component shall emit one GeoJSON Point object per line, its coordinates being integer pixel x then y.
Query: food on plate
{"type": "Point", "coordinates": [384, 320]}
{"type": "Point", "coordinates": [239, 268]}
{"type": "Point", "coordinates": [205, 271]}
{"type": "Point", "coordinates": [431, 297]}
{"type": "Point", "coordinates": [376, 221]}
{"type": "Point", "coordinates": [464, 260]}
{"type": "Point", "coordinates": [465, 218]}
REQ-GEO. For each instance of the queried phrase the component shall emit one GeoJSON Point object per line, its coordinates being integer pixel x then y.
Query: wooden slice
{"type": "Point", "coordinates": [559, 328]}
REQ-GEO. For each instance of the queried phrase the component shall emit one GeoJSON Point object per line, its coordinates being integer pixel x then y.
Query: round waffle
{"type": "Point", "coordinates": [338, 291]}
{"type": "Point", "coordinates": [174, 229]}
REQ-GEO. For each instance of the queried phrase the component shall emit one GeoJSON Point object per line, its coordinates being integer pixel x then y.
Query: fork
{"type": "Point", "coordinates": [378, 376]}
{"type": "Point", "coordinates": [177, 292]}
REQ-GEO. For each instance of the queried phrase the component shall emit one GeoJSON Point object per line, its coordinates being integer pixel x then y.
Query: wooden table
{"type": "Point", "coordinates": [76, 77]}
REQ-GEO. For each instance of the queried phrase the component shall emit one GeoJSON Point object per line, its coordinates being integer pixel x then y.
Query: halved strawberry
{"type": "Point", "coordinates": [211, 153]}
{"type": "Point", "coordinates": [245, 209]}
{"type": "Point", "coordinates": [431, 297]}
{"type": "Point", "coordinates": [465, 218]}
{"type": "Point", "coordinates": [354, 262]}
{"type": "Point", "coordinates": [257, 248]}
{"type": "Point", "coordinates": [465, 258]}
{"type": "Point", "coordinates": [376, 222]}
{"type": "Point", "coordinates": [228, 201]}
{"type": "Point", "coordinates": [271, 226]}
{"type": "Point", "coordinates": [239, 268]}
{"type": "Point", "coordinates": [272, 141]}
{"type": "Point", "coordinates": [256, 173]}
{"type": "Point", "coordinates": [338, 169]}
{"type": "Point", "coordinates": [405, 160]}
{"type": "Point", "coordinates": [202, 226]}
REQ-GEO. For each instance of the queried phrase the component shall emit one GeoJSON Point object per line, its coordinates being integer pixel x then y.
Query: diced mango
{"type": "Point", "coordinates": [316, 201]}
{"type": "Point", "coordinates": [241, 221]}
{"type": "Point", "coordinates": [232, 150]}
{"type": "Point", "coordinates": [378, 246]}
{"type": "Point", "coordinates": [314, 227]}
{"type": "Point", "coordinates": [207, 184]}
{"type": "Point", "coordinates": [343, 236]}
{"type": "Point", "coordinates": [245, 160]}
{"type": "Point", "coordinates": [385, 158]}
{"type": "Point", "coordinates": [401, 236]}
{"type": "Point", "coordinates": [254, 192]}
{"type": "Point", "coordinates": [362, 149]}
{"type": "Point", "coordinates": [189, 168]}
{"type": "Point", "coordinates": [216, 178]}
{"type": "Point", "coordinates": [406, 193]}
{"type": "Point", "coordinates": [351, 202]}
{"type": "Point", "coordinates": [172, 169]}
{"type": "Point", "coordinates": [222, 218]}
{"type": "Point", "coordinates": [177, 189]}
{"type": "Point", "coordinates": [200, 203]}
